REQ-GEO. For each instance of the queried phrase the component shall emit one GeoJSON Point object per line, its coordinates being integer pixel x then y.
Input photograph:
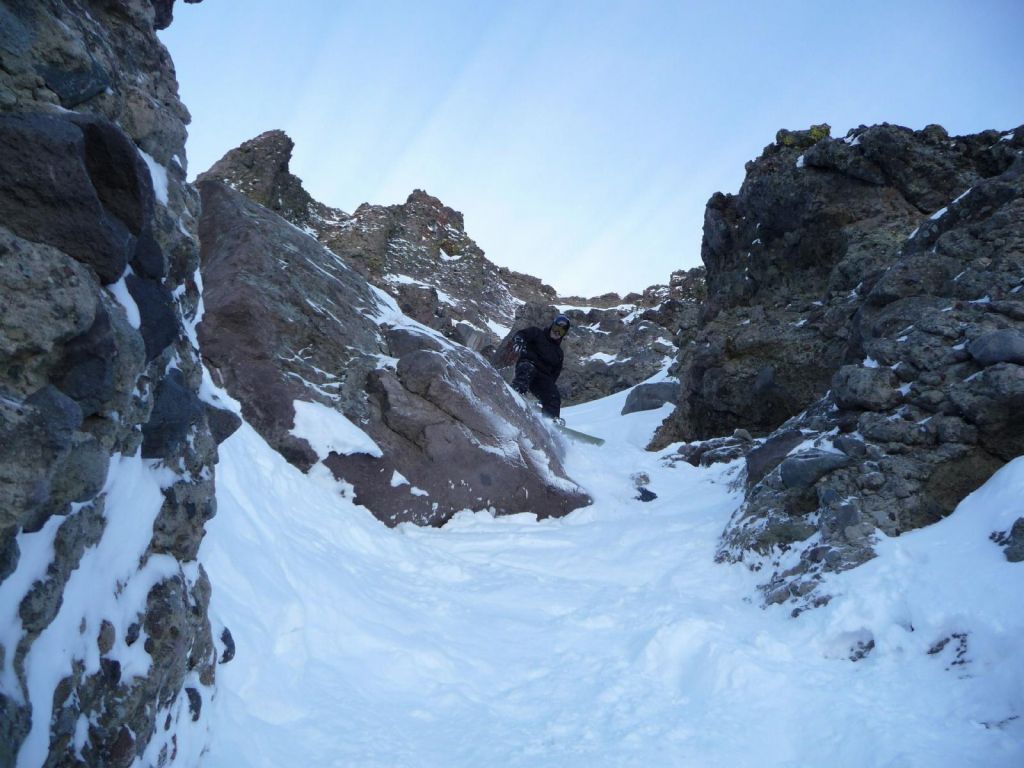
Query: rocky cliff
{"type": "Point", "coordinates": [419, 426]}
{"type": "Point", "coordinates": [420, 254]}
{"type": "Point", "coordinates": [864, 315]}
{"type": "Point", "coordinates": [792, 258]}
{"type": "Point", "coordinates": [106, 456]}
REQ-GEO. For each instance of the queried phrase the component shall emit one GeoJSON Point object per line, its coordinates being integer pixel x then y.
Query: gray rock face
{"type": "Point", "coordinates": [1003, 346]}
{"type": "Point", "coordinates": [47, 193]}
{"type": "Point", "coordinates": [451, 435]}
{"type": "Point", "coordinates": [929, 401]}
{"type": "Point", "coordinates": [866, 389]}
{"type": "Point", "coordinates": [164, 12]}
{"type": "Point", "coordinates": [85, 89]}
{"type": "Point", "coordinates": [38, 436]}
{"type": "Point", "coordinates": [992, 402]}
{"type": "Point", "coordinates": [259, 170]}
{"type": "Point", "coordinates": [159, 323]}
{"type": "Point", "coordinates": [41, 312]}
{"type": "Point", "coordinates": [648, 397]}
{"type": "Point", "coordinates": [767, 456]}
{"type": "Point", "coordinates": [816, 229]}
{"type": "Point", "coordinates": [804, 469]}
{"type": "Point", "coordinates": [177, 412]}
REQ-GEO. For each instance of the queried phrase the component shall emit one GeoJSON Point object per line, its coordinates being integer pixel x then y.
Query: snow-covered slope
{"type": "Point", "coordinates": [605, 638]}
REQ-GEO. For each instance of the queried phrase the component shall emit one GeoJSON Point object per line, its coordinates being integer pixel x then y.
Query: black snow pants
{"type": "Point", "coordinates": [529, 379]}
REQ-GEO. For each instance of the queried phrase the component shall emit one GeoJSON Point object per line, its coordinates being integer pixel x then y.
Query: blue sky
{"type": "Point", "coordinates": [581, 139]}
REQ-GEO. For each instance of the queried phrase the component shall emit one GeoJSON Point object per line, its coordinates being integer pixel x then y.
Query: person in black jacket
{"type": "Point", "coordinates": [540, 362]}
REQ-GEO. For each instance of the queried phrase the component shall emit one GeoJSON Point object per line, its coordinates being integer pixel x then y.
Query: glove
{"type": "Point", "coordinates": [518, 344]}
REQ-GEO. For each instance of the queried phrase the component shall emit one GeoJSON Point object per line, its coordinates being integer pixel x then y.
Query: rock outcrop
{"type": "Point", "coordinates": [419, 426]}
{"type": "Point", "coordinates": [792, 258]}
{"type": "Point", "coordinates": [418, 251]}
{"type": "Point", "coordinates": [912, 348]}
{"type": "Point", "coordinates": [105, 452]}
{"type": "Point", "coordinates": [259, 169]}
{"type": "Point", "coordinates": [420, 254]}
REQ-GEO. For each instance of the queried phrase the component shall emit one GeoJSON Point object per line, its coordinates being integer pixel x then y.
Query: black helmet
{"type": "Point", "coordinates": [559, 327]}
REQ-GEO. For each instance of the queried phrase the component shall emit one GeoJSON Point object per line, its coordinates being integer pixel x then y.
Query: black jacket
{"type": "Point", "coordinates": [540, 349]}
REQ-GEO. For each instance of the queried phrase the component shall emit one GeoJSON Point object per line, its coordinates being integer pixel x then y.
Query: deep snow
{"type": "Point", "coordinates": [605, 638]}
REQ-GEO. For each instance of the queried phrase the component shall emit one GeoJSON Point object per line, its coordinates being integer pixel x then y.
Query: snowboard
{"type": "Point", "coordinates": [575, 434]}
{"type": "Point", "coordinates": [572, 434]}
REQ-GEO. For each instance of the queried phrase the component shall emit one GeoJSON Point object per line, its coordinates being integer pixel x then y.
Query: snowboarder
{"type": "Point", "coordinates": [540, 362]}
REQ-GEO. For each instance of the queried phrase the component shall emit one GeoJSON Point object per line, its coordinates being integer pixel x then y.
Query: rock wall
{"type": "Point", "coordinates": [910, 338]}
{"type": "Point", "coordinates": [792, 258]}
{"type": "Point", "coordinates": [418, 426]}
{"type": "Point", "coordinates": [106, 457]}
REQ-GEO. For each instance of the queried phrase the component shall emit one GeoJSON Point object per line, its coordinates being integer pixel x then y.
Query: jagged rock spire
{"type": "Point", "coordinates": [259, 169]}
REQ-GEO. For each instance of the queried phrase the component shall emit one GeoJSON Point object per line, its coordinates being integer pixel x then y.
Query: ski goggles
{"type": "Point", "coordinates": [559, 330]}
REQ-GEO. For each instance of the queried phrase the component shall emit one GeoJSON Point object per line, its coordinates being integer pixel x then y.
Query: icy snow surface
{"type": "Point", "coordinates": [159, 175]}
{"type": "Point", "coordinates": [499, 330]}
{"type": "Point", "coordinates": [605, 638]}
{"type": "Point", "coordinates": [107, 585]}
{"type": "Point", "coordinates": [119, 291]}
{"type": "Point", "coordinates": [326, 430]}
{"type": "Point", "coordinates": [563, 308]}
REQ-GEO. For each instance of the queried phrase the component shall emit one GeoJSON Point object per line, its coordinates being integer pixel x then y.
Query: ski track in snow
{"type": "Point", "coordinates": [605, 638]}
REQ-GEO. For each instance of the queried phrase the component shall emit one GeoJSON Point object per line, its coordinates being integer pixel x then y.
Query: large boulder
{"type": "Point", "coordinates": [647, 397]}
{"type": "Point", "coordinates": [869, 389]}
{"type": "Point", "coordinates": [440, 432]}
{"type": "Point", "coordinates": [1002, 346]}
{"type": "Point", "coordinates": [76, 183]}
